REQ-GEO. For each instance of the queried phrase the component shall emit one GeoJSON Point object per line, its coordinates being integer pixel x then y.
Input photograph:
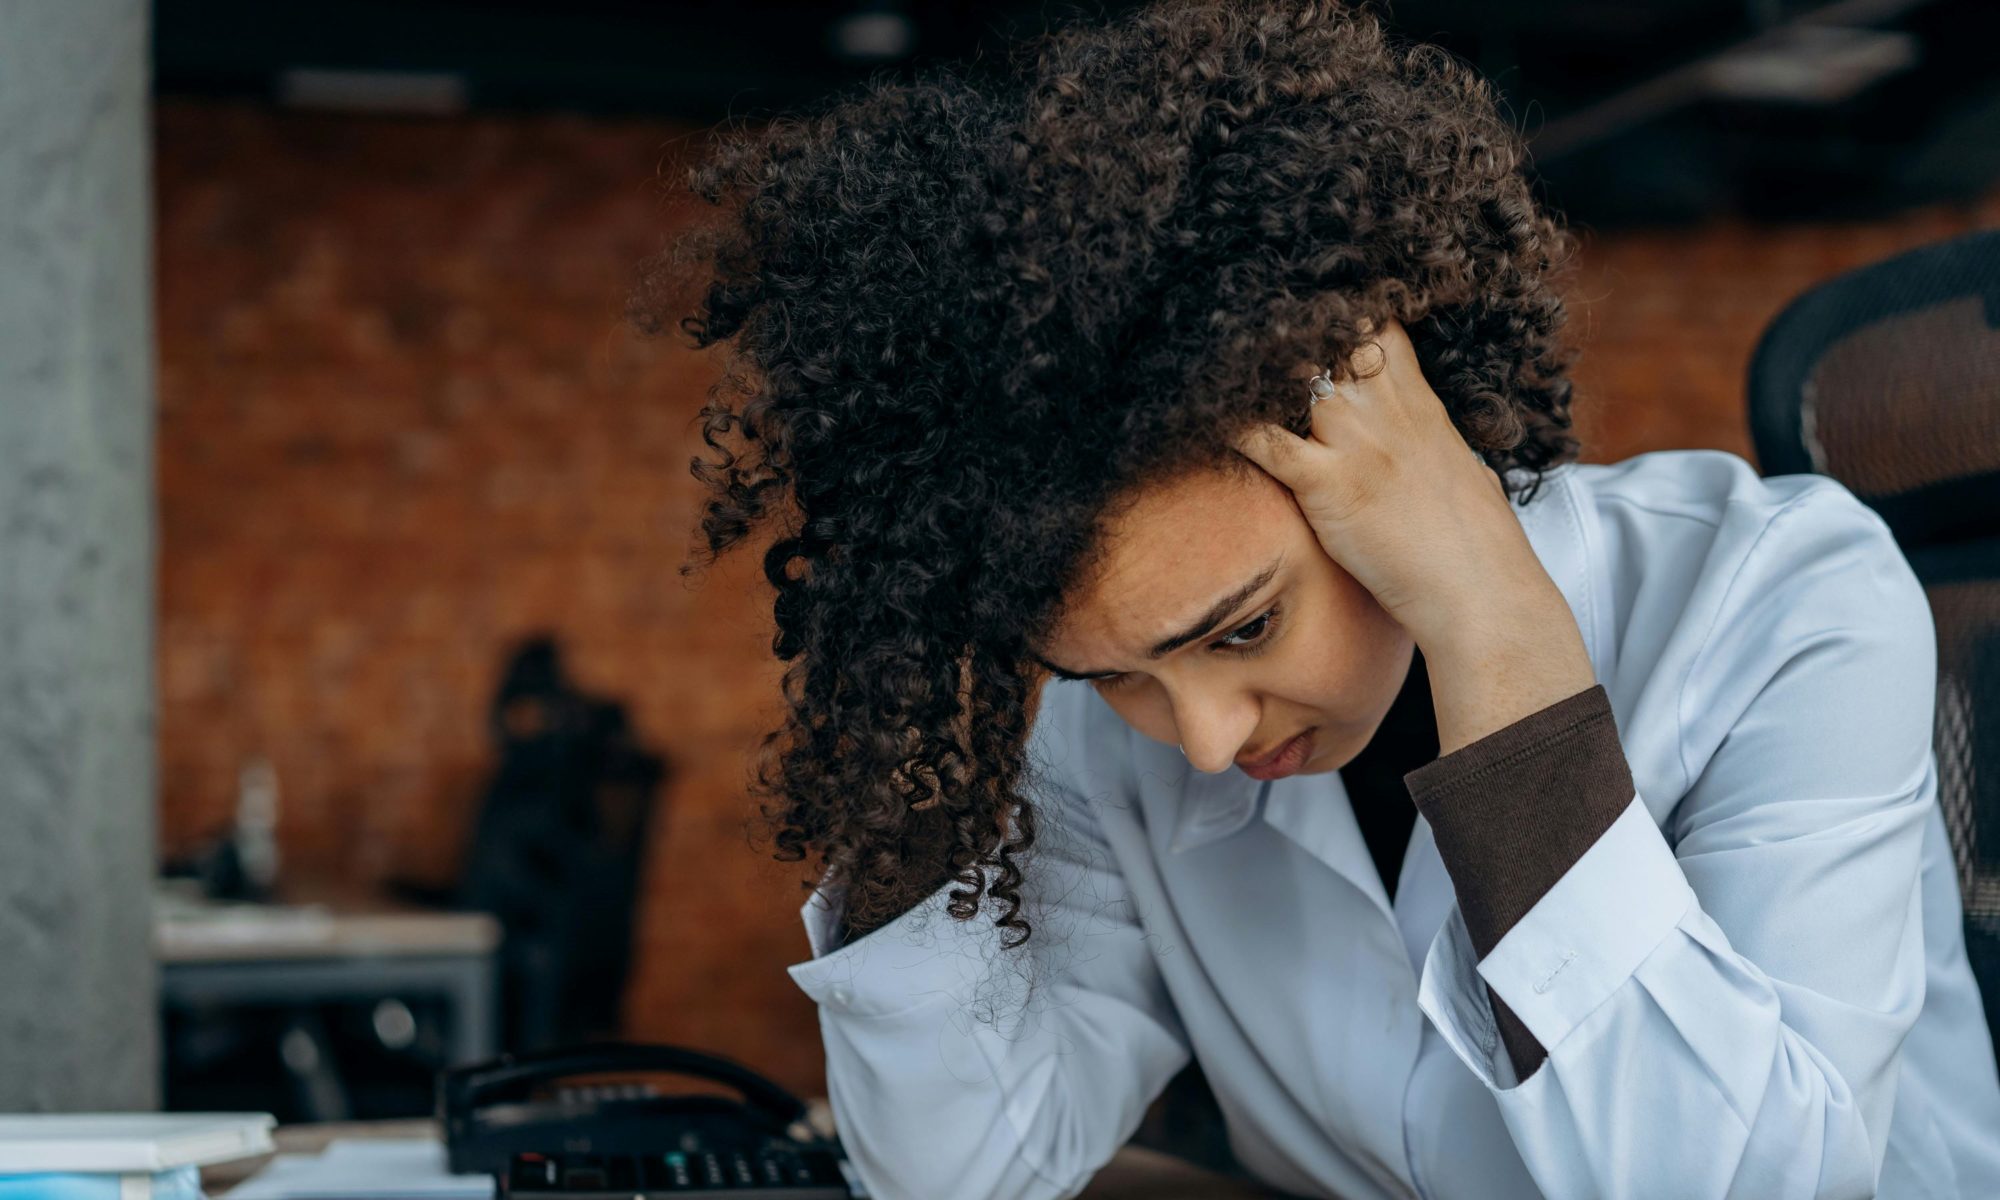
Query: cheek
{"type": "Point", "coordinates": [1144, 706]}
{"type": "Point", "coordinates": [1347, 641]}
{"type": "Point", "coordinates": [1325, 664]}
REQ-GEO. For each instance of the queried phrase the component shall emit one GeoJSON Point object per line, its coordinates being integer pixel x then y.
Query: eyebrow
{"type": "Point", "coordinates": [1217, 613]}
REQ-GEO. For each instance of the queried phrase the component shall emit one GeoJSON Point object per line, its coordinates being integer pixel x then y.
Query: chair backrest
{"type": "Point", "coordinates": [1887, 378]}
{"type": "Point", "coordinates": [558, 849]}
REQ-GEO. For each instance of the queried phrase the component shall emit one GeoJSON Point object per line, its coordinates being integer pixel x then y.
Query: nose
{"type": "Point", "coordinates": [1212, 729]}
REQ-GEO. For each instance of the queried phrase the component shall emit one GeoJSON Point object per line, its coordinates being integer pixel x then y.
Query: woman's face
{"type": "Point", "coordinates": [1225, 629]}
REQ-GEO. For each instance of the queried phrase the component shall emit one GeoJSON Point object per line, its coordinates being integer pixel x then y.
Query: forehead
{"type": "Point", "coordinates": [1169, 552]}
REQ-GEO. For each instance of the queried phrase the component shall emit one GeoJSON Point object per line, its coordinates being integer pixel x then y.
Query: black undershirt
{"type": "Point", "coordinates": [1406, 740]}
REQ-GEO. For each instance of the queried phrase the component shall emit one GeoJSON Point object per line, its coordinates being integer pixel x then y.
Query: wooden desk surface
{"type": "Point", "coordinates": [1132, 1174]}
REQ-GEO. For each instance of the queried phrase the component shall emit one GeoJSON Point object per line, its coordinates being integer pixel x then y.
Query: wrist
{"type": "Point", "coordinates": [1498, 610]}
{"type": "Point", "coordinates": [1491, 668]}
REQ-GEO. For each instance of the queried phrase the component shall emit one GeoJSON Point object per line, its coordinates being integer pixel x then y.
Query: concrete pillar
{"type": "Point", "coordinates": [78, 1008]}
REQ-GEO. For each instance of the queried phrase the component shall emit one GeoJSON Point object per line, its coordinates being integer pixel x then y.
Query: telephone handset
{"type": "Point", "coordinates": [535, 1121]}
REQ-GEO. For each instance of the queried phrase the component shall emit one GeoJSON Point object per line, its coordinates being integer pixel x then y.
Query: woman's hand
{"type": "Point", "coordinates": [1404, 505]}
{"type": "Point", "coordinates": [1395, 494]}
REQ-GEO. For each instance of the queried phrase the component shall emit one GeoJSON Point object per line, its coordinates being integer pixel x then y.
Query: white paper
{"type": "Point", "coordinates": [128, 1141]}
{"type": "Point", "coordinates": [364, 1169]}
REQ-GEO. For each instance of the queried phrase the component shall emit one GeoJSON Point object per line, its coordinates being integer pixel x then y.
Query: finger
{"type": "Point", "coordinates": [1386, 349]}
{"type": "Point", "coordinates": [1283, 455]}
{"type": "Point", "coordinates": [1368, 357]}
{"type": "Point", "coordinates": [1337, 411]}
{"type": "Point", "coordinates": [1388, 378]}
{"type": "Point", "coordinates": [1399, 353]}
{"type": "Point", "coordinates": [1364, 387]}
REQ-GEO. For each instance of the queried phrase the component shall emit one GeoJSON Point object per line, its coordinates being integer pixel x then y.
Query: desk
{"type": "Point", "coordinates": [248, 954]}
{"type": "Point", "coordinates": [305, 954]}
{"type": "Point", "coordinates": [1132, 1174]}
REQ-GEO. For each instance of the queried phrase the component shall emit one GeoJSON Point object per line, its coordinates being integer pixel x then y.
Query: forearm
{"type": "Point", "coordinates": [1498, 662]}
{"type": "Point", "coordinates": [937, 1102]}
{"type": "Point", "coordinates": [947, 1077]}
{"type": "Point", "coordinates": [1530, 771]}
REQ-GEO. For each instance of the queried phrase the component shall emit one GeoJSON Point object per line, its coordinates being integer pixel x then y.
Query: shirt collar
{"type": "Point", "coordinates": [1214, 806]}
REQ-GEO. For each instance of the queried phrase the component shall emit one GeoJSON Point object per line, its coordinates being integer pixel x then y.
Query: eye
{"type": "Point", "coordinates": [1246, 639]}
{"type": "Point", "coordinates": [1252, 634]}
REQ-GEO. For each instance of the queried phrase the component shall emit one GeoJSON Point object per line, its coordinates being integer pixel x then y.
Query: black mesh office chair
{"type": "Point", "coordinates": [1887, 378]}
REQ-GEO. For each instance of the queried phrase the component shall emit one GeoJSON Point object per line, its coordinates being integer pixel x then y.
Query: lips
{"type": "Point", "coordinates": [1288, 757]}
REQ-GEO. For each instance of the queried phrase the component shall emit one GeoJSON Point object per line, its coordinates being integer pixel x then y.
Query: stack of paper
{"type": "Point", "coordinates": [121, 1156]}
{"type": "Point", "coordinates": [176, 1183]}
{"type": "Point", "coordinates": [389, 1169]}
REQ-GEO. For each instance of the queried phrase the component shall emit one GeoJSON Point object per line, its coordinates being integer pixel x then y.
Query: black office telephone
{"type": "Point", "coordinates": [536, 1124]}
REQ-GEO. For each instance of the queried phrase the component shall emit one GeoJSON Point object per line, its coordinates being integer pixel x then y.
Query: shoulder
{"type": "Point", "coordinates": [1815, 587]}
{"type": "Point", "coordinates": [1697, 541]}
{"type": "Point", "coordinates": [1803, 544]}
{"type": "Point", "coordinates": [1718, 582]}
{"type": "Point", "coordinates": [1712, 488]}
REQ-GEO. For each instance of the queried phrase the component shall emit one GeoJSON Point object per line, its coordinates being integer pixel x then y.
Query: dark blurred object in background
{"type": "Point", "coordinates": [1653, 111]}
{"type": "Point", "coordinates": [239, 862]}
{"type": "Point", "coordinates": [555, 856]}
{"type": "Point", "coordinates": [337, 1060]}
{"type": "Point", "coordinates": [557, 849]}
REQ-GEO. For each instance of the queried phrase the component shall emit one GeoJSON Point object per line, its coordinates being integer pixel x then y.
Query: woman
{"type": "Point", "coordinates": [1112, 416]}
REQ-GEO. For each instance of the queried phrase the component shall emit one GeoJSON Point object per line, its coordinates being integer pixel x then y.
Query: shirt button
{"type": "Point", "coordinates": [841, 995]}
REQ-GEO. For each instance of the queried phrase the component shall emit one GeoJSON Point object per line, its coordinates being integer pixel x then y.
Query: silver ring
{"type": "Point", "coordinates": [1322, 389]}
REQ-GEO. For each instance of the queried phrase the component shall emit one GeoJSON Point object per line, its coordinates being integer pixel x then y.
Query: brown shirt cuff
{"type": "Point", "coordinates": [1513, 811]}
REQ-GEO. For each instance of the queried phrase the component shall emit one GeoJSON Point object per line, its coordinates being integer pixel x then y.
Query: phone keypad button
{"type": "Point", "coordinates": [773, 1167]}
{"type": "Point", "coordinates": [680, 1177]}
{"type": "Point", "coordinates": [532, 1173]}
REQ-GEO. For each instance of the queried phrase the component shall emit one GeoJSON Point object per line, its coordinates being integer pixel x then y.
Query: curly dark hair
{"type": "Point", "coordinates": [971, 315]}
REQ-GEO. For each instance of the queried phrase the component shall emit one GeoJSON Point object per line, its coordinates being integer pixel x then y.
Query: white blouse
{"type": "Point", "coordinates": [1754, 984]}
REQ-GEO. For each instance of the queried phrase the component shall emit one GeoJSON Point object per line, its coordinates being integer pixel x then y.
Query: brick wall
{"type": "Point", "coordinates": [402, 424]}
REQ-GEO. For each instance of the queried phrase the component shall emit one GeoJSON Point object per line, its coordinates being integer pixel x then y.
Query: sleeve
{"type": "Point", "coordinates": [1512, 812]}
{"type": "Point", "coordinates": [1723, 1013]}
{"type": "Point", "coordinates": [957, 1068]}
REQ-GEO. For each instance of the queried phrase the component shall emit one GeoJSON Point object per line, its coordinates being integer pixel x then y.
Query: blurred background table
{"type": "Point", "coordinates": [302, 959]}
